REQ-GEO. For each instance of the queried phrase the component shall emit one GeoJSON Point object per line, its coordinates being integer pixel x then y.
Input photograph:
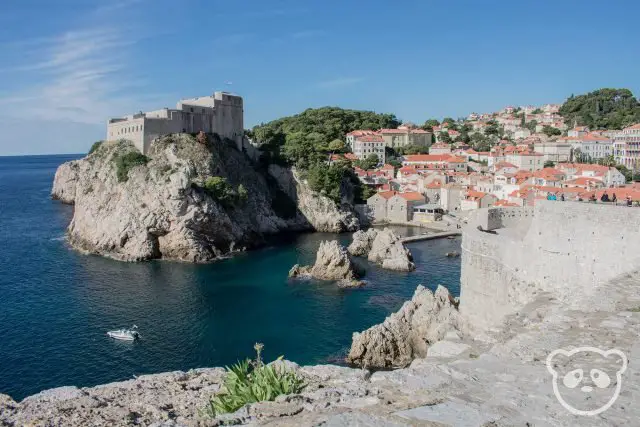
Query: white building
{"type": "Point", "coordinates": [221, 113]}
{"type": "Point", "coordinates": [526, 161]}
{"type": "Point", "coordinates": [554, 151]}
{"type": "Point", "coordinates": [364, 146]}
{"type": "Point", "coordinates": [626, 146]}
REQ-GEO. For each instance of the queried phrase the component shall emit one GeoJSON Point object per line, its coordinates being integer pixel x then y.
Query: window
{"type": "Point", "coordinates": [191, 109]}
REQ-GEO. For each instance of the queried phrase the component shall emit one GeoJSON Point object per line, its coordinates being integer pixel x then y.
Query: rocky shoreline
{"type": "Point", "coordinates": [498, 378]}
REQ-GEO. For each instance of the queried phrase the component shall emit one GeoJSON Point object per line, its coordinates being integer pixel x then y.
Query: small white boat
{"type": "Point", "coordinates": [125, 334]}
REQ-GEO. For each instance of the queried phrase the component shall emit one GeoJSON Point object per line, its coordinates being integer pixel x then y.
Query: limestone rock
{"type": "Point", "coordinates": [64, 183]}
{"type": "Point", "coordinates": [447, 349]}
{"type": "Point", "coordinates": [362, 241]}
{"type": "Point", "coordinates": [320, 211]}
{"type": "Point", "coordinates": [162, 210]}
{"type": "Point", "coordinates": [388, 250]}
{"type": "Point", "coordinates": [332, 263]}
{"type": "Point", "coordinates": [408, 333]}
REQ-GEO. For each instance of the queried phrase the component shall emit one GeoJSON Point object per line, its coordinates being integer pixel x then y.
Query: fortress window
{"type": "Point", "coordinates": [191, 109]}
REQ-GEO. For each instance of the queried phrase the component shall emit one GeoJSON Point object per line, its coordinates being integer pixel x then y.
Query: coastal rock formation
{"type": "Point", "coordinates": [362, 241]}
{"type": "Point", "coordinates": [321, 212]}
{"type": "Point", "coordinates": [163, 206]}
{"type": "Point", "coordinates": [408, 333]}
{"type": "Point", "coordinates": [64, 183]}
{"type": "Point", "coordinates": [388, 250]}
{"type": "Point", "coordinates": [332, 263]}
{"type": "Point", "coordinates": [383, 247]}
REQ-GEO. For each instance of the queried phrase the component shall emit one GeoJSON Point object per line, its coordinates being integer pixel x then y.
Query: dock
{"type": "Point", "coordinates": [430, 236]}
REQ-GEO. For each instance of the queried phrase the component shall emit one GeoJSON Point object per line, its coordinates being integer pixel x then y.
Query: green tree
{"type": "Point", "coordinates": [531, 125]}
{"type": "Point", "coordinates": [429, 124]}
{"type": "Point", "coordinates": [449, 120]}
{"type": "Point", "coordinates": [370, 162]}
{"type": "Point", "coordinates": [444, 137]}
{"type": "Point", "coordinates": [549, 164]}
{"type": "Point", "coordinates": [602, 109]}
{"type": "Point", "coordinates": [336, 146]}
{"type": "Point", "coordinates": [537, 111]}
{"type": "Point", "coordinates": [551, 131]}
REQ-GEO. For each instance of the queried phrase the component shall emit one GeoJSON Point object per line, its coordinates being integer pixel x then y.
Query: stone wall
{"type": "Point", "coordinates": [567, 249]}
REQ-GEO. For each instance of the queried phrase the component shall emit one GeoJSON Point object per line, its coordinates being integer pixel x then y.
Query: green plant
{"type": "Point", "coordinates": [250, 381]}
{"type": "Point", "coordinates": [243, 194]}
{"type": "Point", "coordinates": [95, 146]}
{"type": "Point", "coordinates": [125, 162]}
{"type": "Point", "coordinates": [218, 188]}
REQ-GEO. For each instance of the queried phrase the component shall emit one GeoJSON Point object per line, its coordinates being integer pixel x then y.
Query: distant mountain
{"type": "Point", "coordinates": [602, 109]}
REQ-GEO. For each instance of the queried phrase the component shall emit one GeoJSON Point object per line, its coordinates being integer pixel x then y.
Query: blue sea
{"type": "Point", "coordinates": [57, 304]}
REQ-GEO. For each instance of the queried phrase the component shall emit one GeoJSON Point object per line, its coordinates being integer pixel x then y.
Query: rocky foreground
{"type": "Point", "coordinates": [498, 380]}
{"type": "Point", "coordinates": [163, 208]}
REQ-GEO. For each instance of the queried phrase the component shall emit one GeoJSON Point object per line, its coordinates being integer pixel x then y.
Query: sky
{"type": "Point", "coordinates": [66, 66]}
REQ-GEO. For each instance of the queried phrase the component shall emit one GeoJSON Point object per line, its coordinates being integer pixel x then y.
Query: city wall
{"type": "Point", "coordinates": [564, 248]}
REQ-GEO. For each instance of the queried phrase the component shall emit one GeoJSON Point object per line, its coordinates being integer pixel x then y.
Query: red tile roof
{"type": "Point", "coordinates": [411, 196]}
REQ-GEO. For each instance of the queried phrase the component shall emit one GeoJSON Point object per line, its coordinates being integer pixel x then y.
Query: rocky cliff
{"type": "Point", "coordinates": [166, 209]}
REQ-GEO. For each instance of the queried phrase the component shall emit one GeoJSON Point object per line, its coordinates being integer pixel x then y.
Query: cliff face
{"type": "Point", "coordinates": [163, 210]}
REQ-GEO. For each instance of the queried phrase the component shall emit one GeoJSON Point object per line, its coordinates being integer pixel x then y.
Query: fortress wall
{"type": "Point", "coordinates": [567, 249]}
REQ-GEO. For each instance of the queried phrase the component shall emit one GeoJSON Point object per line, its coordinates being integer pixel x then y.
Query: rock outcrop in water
{"type": "Point", "coordinates": [332, 263]}
{"type": "Point", "coordinates": [408, 333]}
{"type": "Point", "coordinates": [164, 209]}
{"type": "Point", "coordinates": [383, 247]}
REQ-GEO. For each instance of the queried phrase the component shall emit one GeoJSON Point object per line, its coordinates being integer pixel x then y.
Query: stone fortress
{"type": "Point", "coordinates": [220, 113]}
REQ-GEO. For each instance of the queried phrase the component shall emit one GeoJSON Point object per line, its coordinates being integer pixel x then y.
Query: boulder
{"type": "Point", "coordinates": [408, 333]}
{"type": "Point", "coordinates": [388, 250]}
{"type": "Point", "coordinates": [362, 241]}
{"type": "Point", "coordinates": [332, 263]}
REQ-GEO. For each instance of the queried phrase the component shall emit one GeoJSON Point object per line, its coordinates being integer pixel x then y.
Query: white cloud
{"type": "Point", "coordinates": [84, 75]}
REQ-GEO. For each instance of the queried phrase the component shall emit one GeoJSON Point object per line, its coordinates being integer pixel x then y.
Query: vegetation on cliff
{"type": "Point", "coordinates": [125, 162]}
{"type": "Point", "coordinates": [251, 381]}
{"type": "Point", "coordinates": [602, 109]}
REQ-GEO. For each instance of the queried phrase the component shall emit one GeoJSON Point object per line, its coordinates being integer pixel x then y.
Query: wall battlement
{"type": "Point", "coordinates": [565, 248]}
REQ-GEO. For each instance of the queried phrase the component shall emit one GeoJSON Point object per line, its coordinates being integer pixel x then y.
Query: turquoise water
{"type": "Point", "coordinates": [57, 304]}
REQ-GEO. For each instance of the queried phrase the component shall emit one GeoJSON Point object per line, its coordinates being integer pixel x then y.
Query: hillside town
{"type": "Point", "coordinates": [529, 154]}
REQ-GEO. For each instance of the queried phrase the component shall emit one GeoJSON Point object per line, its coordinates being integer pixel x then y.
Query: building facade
{"type": "Point", "coordinates": [364, 146]}
{"type": "Point", "coordinates": [626, 147]}
{"type": "Point", "coordinates": [221, 113]}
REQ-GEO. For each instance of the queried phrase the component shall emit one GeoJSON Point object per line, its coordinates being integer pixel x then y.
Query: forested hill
{"type": "Point", "coordinates": [602, 109]}
{"type": "Point", "coordinates": [316, 131]}
{"type": "Point", "coordinates": [307, 139]}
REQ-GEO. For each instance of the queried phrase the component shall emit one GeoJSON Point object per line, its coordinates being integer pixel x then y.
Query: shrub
{"type": "Point", "coordinates": [222, 192]}
{"type": "Point", "coordinates": [95, 146]}
{"type": "Point", "coordinates": [243, 194]}
{"type": "Point", "coordinates": [219, 189]}
{"type": "Point", "coordinates": [125, 162]}
{"type": "Point", "coordinates": [251, 381]}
